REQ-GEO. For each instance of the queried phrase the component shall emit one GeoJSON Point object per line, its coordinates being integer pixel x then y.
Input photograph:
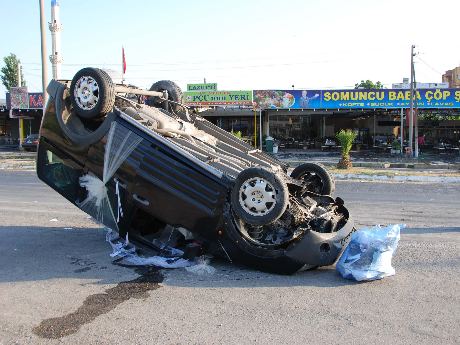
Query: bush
{"type": "Point", "coordinates": [237, 134]}
{"type": "Point", "coordinates": [345, 138]}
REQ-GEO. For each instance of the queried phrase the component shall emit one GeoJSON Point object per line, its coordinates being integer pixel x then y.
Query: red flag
{"type": "Point", "coordinates": [123, 60]}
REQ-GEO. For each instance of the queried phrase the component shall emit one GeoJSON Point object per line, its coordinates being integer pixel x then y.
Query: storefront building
{"type": "Point", "coordinates": [304, 119]}
{"type": "Point", "coordinates": [26, 114]}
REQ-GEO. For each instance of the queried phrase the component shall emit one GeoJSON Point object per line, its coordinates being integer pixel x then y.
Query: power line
{"type": "Point", "coordinates": [428, 65]}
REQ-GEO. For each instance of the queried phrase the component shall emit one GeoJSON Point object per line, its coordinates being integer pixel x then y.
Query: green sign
{"type": "Point", "coordinates": [218, 98]}
{"type": "Point", "coordinates": [202, 87]}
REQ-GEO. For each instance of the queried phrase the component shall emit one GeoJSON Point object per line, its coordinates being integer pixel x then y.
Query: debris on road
{"type": "Point", "coordinates": [201, 266]}
{"type": "Point", "coordinates": [369, 253]}
{"type": "Point", "coordinates": [127, 252]}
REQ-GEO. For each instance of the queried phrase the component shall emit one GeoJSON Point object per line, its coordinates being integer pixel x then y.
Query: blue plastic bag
{"type": "Point", "coordinates": [368, 255]}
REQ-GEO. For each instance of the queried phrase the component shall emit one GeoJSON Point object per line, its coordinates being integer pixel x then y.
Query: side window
{"type": "Point", "coordinates": [62, 174]}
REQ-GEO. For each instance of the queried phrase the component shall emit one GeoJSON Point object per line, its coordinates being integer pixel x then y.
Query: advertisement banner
{"type": "Point", "coordinates": [202, 87]}
{"type": "Point", "coordinates": [218, 98]}
{"type": "Point", "coordinates": [33, 100]}
{"type": "Point", "coordinates": [19, 98]}
{"type": "Point", "coordinates": [355, 99]}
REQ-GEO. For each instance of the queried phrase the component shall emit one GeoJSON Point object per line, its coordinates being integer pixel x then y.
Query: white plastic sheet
{"type": "Point", "coordinates": [127, 251]}
{"type": "Point", "coordinates": [121, 142]}
{"type": "Point", "coordinates": [369, 253]}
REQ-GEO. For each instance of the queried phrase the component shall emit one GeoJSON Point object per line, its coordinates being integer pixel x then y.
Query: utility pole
{"type": "Point", "coordinates": [21, 121]}
{"type": "Point", "coordinates": [43, 49]}
{"type": "Point", "coordinates": [402, 131]}
{"type": "Point", "coordinates": [415, 117]}
{"type": "Point", "coordinates": [411, 111]}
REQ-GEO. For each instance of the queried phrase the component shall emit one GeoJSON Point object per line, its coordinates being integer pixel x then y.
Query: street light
{"type": "Point", "coordinates": [43, 48]}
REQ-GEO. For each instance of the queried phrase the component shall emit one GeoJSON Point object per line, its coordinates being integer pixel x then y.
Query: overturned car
{"type": "Point", "coordinates": [138, 168]}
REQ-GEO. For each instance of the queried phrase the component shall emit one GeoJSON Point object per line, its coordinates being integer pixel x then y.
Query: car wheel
{"type": "Point", "coordinates": [316, 178]}
{"type": "Point", "coordinates": [174, 94]}
{"type": "Point", "coordinates": [259, 196]}
{"type": "Point", "coordinates": [237, 248]}
{"type": "Point", "coordinates": [72, 124]}
{"type": "Point", "coordinates": [92, 93]}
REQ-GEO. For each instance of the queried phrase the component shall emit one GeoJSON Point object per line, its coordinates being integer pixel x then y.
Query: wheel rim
{"type": "Point", "coordinates": [86, 93]}
{"type": "Point", "coordinates": [313, 182]}
{"type": "Point", "coordinates": [257, 196]}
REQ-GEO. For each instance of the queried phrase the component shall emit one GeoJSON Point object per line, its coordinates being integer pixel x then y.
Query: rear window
{"type": "Point", "coordinates": [60, 173]}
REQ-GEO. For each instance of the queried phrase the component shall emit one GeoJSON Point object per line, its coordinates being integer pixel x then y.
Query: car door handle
{"type": "Point", "coordinates": [121, 184]}
{"type": "Point", "coordinates": [141, 200]}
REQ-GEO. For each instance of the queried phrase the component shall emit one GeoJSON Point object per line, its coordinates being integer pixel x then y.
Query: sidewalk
{"type": "Point", "coordinates": [17, 160]}
{"type": "Point", "coordinates": [366, 169]}
{"type": "Point", "coordinates": [378, 167]}
{"type": "Point", "coordinates": [373, 160]}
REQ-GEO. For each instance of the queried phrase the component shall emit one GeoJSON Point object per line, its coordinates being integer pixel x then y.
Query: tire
{"type": "Point", "coordinates": [71, 125]}
{"type": "Point", "coordinates": [240, 250]}
{"type": "Point", "coordinates": [95, 103]}
{"type": "Point", "coordinates": [174, 94]}
{"type": "Point", "coordinates": [259, 196]}
{"type": "Point", "coordinates": [317, 178]}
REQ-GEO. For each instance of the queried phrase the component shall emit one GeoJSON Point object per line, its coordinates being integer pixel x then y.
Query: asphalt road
{"type": "Point", "coordinates": [59, 286]}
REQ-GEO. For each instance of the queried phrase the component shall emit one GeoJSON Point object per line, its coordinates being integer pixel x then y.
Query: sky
{"type": "Point", "coordinates": [241, 45]}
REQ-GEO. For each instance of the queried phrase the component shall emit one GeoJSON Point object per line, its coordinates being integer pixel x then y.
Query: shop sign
{"type": "Point", "coordinates": [31, 100]}
{"type": "Point", "coordinates": [202, 87]}
{"type": "Point", "coordinates": [218, 98]}
{"type": "Point", "coordinates": [19, 98]}
{"type": "Point", "coordinates": [356, 99]}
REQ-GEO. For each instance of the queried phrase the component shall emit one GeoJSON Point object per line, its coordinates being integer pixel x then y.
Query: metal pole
{"type": "Point", "coordinates": [374, 128]}
{"type": "Point", "coordinates": [402, 130]}
{"type": "Point", "coordinates": [43, 48]}
{"type": "Point", "coordinates": [21, 121]}
{"type": "Point", "coordinates": [255, 128]}
{"type": "Point", "coordinates": [411, 112]}
{"type": "Point", "coordinates": [260, 129]}
{"type": "Point", "coordinates": [267, 129]}
{"type": "Point", "coordinates": [126, 89]}
{"type": "Point", "coordinates": [324, 126]}
{"type": "Point", "coordinates": [415, 116]}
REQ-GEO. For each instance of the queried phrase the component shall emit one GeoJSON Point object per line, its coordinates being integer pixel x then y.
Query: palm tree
{"type": "Point", "coordinates": [345, 138]}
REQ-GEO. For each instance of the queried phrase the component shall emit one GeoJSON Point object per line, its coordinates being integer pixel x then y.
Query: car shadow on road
{"type": "Point", "coordinates": [42, 253]}
{"type": "Point", "coordinates": [228, 275]}
{"type": "Point", "coordinates": [31, 253]}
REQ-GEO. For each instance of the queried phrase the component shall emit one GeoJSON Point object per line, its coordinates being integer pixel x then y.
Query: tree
{"type": "Point", "coordinates": [368, 84]}
{"type": "Point", "coordinates": [345, 138]}
{"type": "Point", "coordinates": [9, 73]}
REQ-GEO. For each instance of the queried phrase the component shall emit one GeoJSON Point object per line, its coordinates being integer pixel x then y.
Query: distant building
{"type": "Point", "coordinates": [452, 77]}
{"type": "Point", "coordinates": [406, 85]}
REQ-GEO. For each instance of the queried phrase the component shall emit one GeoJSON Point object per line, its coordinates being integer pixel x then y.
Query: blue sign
{"type": "Point", "coordinates": [356, 99]}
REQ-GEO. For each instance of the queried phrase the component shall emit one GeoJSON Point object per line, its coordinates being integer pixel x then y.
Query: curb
{"type": "Point", "coordinates": [399, 178]}
{"type": "Point", "coordinates": [382, 165]}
